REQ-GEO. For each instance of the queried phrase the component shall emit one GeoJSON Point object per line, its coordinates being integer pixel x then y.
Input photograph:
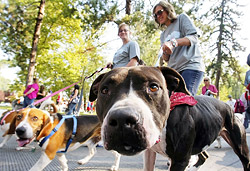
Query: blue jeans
{"type": "Point", "coordinates": [193, 79]}
{"type": "Point", "coordinates": [27, 101]}
{"type": "Point", "coordinates": [72, 107]}
{"type": "Point", "coordinates": [246, 120]}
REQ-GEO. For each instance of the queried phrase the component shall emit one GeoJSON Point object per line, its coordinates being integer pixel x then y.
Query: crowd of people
{"type": "Point", "coordinates": [179, 49]}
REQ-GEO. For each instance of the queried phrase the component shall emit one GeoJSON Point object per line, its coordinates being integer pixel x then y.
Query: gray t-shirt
{"type": "Point", "coordinates": [183, 57]}
{"type": "Point", "coordinates": [126, 53]}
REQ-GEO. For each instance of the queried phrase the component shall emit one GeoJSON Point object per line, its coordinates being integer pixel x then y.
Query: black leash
{"type": "Point", "coordinates": [81, 95]}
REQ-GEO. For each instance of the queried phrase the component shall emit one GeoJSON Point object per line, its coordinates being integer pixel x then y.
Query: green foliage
{"type": "Point", "coordinates": [219, 31]}
{"type": "Point", "coordinates": [68, 44]}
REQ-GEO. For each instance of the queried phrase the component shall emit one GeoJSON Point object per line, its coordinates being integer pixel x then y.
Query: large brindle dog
{"type": "Point", "coordinates": [134, 105]}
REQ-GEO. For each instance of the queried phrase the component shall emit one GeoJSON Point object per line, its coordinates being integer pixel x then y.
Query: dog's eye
{"type": "Point", "coordinates": [153, 87]}
{"type": "Point", "coordinates": [34, 118]}
{"type": "Point", "coordinates": [105, 90]}
{"type": "Point", "coordinates": [18, 117]}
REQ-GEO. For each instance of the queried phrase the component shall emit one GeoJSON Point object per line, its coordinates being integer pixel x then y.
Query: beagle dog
{"type": "Point", "coordinates": [7, 117]}
{"type": "Point", "coordinates": [31, 123]}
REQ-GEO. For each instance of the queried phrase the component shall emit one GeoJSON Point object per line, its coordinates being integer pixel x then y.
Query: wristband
{"type": "Point", "coordinates": [174, 42]}
{"type": "Point", "coordinates": [164, 53]}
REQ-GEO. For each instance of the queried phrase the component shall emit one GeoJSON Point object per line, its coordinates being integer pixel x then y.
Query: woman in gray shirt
{"type": "Point", "coordinates": [129, 53]}
{"type": "Point", "coordinates": [180, 46]}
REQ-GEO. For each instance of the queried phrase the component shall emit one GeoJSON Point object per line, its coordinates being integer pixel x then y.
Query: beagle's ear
{"type": "Point", "coordinates": [12, 127]}
{"type": "Point", "coordinates": [46, 127]}
{"type": "Point", "coordinates": [94, 88]}
{"type": "Point", "coordinates": [175, 81]}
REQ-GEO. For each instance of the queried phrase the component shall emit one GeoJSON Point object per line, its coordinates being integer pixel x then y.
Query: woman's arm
{"type": "Point", "coordinates": [168, 46]}
{"type": "Point", "coordinates": [28, 92]}
{"type": "Point", "coordinates": [42, 94]}
{"type": "Point", "coordinates": [132, 62]}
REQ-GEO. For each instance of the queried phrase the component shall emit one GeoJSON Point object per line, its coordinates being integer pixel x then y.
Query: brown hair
{"type": "Point", "coordinates": [35, 80]}
{"type": "Point", "coordinates": [168, 8]}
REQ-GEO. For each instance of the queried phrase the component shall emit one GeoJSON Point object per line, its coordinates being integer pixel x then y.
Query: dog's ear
{"type": "Point", "coordinates": [12, 127]}
{"type": "Point", "coordinates": [46, 127]}
{"type": "Point", "coordinates": [175, 81]}
{"type": "Point", "coordinates": [94, 88]}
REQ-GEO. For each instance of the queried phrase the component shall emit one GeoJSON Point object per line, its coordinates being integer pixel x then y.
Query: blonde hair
{"type": "Point", "coordinates": [168, 8]}
{"type": "Point", "coordinates": [207, 78]}
{"type": "Point", "coordinates": [122, 25]}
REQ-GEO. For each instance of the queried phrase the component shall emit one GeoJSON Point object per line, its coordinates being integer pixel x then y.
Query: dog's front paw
{"type": "Point", "coordinates": [81, 162]}
{"type": "Point", "coordinates": [19, 148]}
{"type": "Point", "coordinates": [114, 168]}
{"type": "Point", "coordinates": [1, 145]}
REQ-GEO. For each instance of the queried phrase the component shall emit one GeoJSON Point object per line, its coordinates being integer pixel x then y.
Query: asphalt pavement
{"type": "Point", "coordinates": [223, 159]}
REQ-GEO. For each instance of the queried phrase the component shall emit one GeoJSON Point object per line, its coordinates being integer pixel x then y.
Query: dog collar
{"type": "Point", "coordinates": [159, 140]}
{"type": "Point", "coordinates": [178, 98]}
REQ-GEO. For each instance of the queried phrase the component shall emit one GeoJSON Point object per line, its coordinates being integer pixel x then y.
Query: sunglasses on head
{"type": "Point", "coordinates": [158, 13]}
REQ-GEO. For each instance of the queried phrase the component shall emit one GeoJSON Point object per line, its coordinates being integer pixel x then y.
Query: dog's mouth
{"type": "Point", "coordinates": [129, 150]}
{"type": "Point", "coordinates": [24, 141]}
{"type": "Point", "coordinates": [125, 141]}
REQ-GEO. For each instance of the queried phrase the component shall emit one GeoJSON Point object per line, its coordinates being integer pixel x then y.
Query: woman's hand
{"type": "Point", "coordinates": [109, 65]}
{"type": "Point", "coordinates": [167, 48]}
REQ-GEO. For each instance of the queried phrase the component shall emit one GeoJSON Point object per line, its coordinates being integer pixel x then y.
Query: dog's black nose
{"type": "Point", "coordinates": [122, 118]}
{"type": "Point", "coordinates": [20, 131]}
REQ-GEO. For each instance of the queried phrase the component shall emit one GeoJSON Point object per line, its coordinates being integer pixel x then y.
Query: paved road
{"type": "Point", "coordinates": [222, 159]}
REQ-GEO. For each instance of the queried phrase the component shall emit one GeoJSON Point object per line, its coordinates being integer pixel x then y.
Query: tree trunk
{"type": "Point", "coordinates": [128, 7]}
{"type": "Point", "coordinates": [219, 55]}
{"type": "Point", "coordinates": [36, 35]}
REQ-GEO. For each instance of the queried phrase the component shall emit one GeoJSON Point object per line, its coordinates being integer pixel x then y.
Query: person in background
{"type": "Point", "coordinates": [59, 101]}
{"type": "Point", "coordinates": [245, 98]}
{"type": "Point", "coordinates": [209, 89]}
{"type": "Point", "coordinates": [129, 53]}
{"type": "Point", "coordinates": [41, 93]}
{"type": "Point", "coordinates": [179, 44]}
{"type": "Point", "coordinates": [231, 101]}
{"type": "Point", "coordinates": [30, 93]}
{"type": "Point", "coordinates": [74, 99]}
{"type": "Point", "coordinates": [247, 76]}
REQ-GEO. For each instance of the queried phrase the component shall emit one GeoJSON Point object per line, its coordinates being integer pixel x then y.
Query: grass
{"type": "Point", "coordinates": [5, 108]}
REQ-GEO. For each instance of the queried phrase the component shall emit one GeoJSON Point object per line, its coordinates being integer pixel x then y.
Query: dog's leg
{"type": "Point", "coordinates": [115, 166]}
{"type": "Point", "coordinates": [149, 160]}
{"type": "Point", "coordinates": [235, 136]}
{"type": "Point", "coordinates": [6, 138]}
{"type": "Point", "coordinates": [218, 142]}
{"type": "Point", "coordinates": [63, 161]}
{"type": "Point", "coordinates": [42, 162]}
{"type": "Point", "coordinates": [92, 151]}
{"type": "Point", "coordinates": [28, 147]}
{"type": "Point", "coordinates": [201, 160]}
